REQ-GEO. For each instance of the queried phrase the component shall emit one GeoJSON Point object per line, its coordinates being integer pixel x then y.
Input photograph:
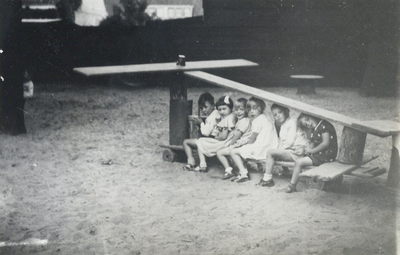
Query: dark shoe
{"type": "Point", "coordinates": [290, 188]}
{"type": "Point", "coordinates": [269, 183]}
{"type": "Point", "coordinates": [241, 179]}
{"type": "Point", "coordinates": [227, 176]}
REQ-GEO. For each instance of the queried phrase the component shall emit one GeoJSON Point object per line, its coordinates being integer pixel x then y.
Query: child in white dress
{"type": "Point", "coordinates": [207, 110]}
{"type": "Point", "coordinates": [220, 136]}
{"type": "Point", "coordinates": [293, 142]}
{"type": "Point", "coordinates": [240, 136]}
{"type": "Point", "coordinates": [263, 138]}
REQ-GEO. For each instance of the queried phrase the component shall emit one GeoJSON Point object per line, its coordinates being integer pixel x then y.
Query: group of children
{"type": "Point", "coordinates": [240, 130]}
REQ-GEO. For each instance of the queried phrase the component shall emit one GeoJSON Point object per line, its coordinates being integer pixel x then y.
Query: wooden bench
{"type": "Point", "coordinates": [351, 146]}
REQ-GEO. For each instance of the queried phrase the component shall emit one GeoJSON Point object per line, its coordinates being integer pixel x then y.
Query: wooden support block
{"type": "Point", "coordinates": [315, 183]}
{"type": "Point", "coordinates": [352, 145]}
{"type": "Point", "coordinates": [173, 153]}
{"type": "Point", "coordinates": [393, 179]}
{"type": "Point", "coordinates": [178, 124]}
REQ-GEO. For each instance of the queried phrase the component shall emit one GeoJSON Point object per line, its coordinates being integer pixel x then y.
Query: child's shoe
{"type": "Point", "coordinates": [188, 167]}
{"type": "Point", "coordinates": [201, 169]}
{"type": "Point", "coordinates": [241, 178]}
{"type": "Point", "coordinates": [290, 188]}
{"type": "Point", "coordinates": [227, 175]}
{"type": "Point", "coordinates": [268, 183]}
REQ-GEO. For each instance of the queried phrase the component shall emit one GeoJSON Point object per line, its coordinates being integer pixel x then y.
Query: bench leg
{"type": "Point", "coordinates": [393, 179]}
{"type": "Point", "coordinates": [179, 109]}
{"type": "Point", "coordinates": [352, 146]}
{"type": "Point", "coordinates": [316, 183]}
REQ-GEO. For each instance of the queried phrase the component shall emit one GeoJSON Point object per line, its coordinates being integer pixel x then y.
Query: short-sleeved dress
{"type": "Point", "coordinates": [293, 139]}
{"type": "Point", "coordinates": [243, 125]}
{"type": "Point", "coordinates": [209, 146]}
{"type": "Point", "coordinates": [267, 138]}
{"type": "Point", "coordinates": [330, 153]}
{"type": "Point", "coordinates": [210, 122]}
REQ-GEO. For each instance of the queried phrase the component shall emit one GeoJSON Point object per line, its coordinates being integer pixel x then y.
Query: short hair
{"type": "Point", "coordinates": [260, 103]}
{"type": "Point", "coordinates": [243, 101]}
{"type": "Point", "coordinates": [305, 115]}
{"type": "Point", "coordinates": [205, 97]}
{"type": "Point", "coordinates": [225, 100]}
{"type": "Point", "coordinates": [283, 108]}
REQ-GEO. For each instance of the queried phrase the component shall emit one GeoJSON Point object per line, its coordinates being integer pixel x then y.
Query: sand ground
{"type": "Point", "coordinates": [56, 185]}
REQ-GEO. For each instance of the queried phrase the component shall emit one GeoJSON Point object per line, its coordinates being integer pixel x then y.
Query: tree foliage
{"type": "Point", "coordinates": [128, 13]}
{"type": "Point", "coordinates": [67, 8]}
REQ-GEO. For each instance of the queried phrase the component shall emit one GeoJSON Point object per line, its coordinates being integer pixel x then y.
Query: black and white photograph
{"type": "Point", "coordinates": [136, 127]}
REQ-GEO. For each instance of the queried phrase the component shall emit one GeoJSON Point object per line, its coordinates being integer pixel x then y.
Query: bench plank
{"type": "Point", "coordinates": [306, 108]}
{"type": "Point", "coordinates": [162, 67]}
{"type": "Point", "coordinates": [381, 127]}
{"type": "Point", "coordinates": [330, 171]}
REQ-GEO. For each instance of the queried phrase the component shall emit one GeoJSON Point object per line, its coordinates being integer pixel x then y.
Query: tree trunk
{"type": "Point", "coordinates": [12, 67]}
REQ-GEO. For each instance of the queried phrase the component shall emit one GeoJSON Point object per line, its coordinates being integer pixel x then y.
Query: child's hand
{"type": "Point", "coordinates": [197, 119]}
{"type": "Point", "coordinates": [307, 150]}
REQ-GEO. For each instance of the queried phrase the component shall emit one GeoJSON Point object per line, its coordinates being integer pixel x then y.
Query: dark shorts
{"type": "Point", "coordinates": [319, 159]}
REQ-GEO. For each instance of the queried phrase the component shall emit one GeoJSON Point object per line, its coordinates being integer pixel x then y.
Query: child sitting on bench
{"type": "Point", "coordinates": [220, 137]}
{"type": "Point", "coordinates": [240, 136]}
{"type": "Point", "coordinates": [324, 146]}
{"type": "Point", "coordinates": [293, 142]}
{"type": "Point", "coordinates": [207, 110]}
{"type": "Point", "coordinates": [263, 138]}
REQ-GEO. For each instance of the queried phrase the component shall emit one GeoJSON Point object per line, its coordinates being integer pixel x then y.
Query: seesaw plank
{"type": "Point", "coordinates": [384, 128]}
{"type": "Point", "coordinates": [330, 171]}
{"type": "Point", "coordinates": [163, 67]}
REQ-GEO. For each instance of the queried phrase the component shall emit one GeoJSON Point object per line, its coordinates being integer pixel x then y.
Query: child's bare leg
{"type": "Point", "coordinates": [221, 155]}
{"type": "Point", "coordinates": [202, 158]}
{"type": "Point", "coordinates": [188, 144]}
{"type": "Point", "coordinates": [298, 166]}
{"type": "Point", "coordinates": [275, 154]}
{"type": "Point", "coordinates": [235, 155]}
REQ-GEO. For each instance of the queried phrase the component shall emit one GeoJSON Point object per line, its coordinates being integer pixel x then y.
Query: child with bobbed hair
{"type": "Point", "coordinates": [239, 136]}
{"type": "Point", "coordinates": [324, 146]}
{"type": "Point", "coordinates": [293, 142]}
{"type": "Point", "coordinates": [220, 136]}
{"type": "Point", "coordinates": [263, 138]}
{"type": "Point", "coordinates": [207, 110]}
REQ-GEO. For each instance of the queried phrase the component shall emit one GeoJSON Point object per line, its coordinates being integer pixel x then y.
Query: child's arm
{"type": "Point", "coordinates": [252, 138]}
{"type": "Point", "coordinates": [322, 146]}
{"type": "Point", "coordinates": [236, 136]}
{"type": "Point", "coordinates": [223, 134]}
{"type": "Point", "coordinates": [207, 128]}
{"type": "Point", "coordinates": [291, 136]}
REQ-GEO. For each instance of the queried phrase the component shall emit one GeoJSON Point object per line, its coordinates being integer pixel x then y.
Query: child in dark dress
{"type": "Point", "coordinates": [324, 140]}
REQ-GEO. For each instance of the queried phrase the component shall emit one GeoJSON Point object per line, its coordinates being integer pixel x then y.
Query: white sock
{"type": "Point", "coordinates": [244, 173]}
{"type": "Point", "coordinates": [267, 177]}
{"type": "Point", "coordinates": [203, 164]}
{"type": "Point", "coordinates": [228, 170]}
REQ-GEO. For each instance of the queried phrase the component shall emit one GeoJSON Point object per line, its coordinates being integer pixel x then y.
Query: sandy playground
{"type": "Point", "coordinates": [89, 178]}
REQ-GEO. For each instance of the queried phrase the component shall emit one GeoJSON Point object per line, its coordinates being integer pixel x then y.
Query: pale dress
{"type": "Point", "coordinates": [267, 138]}
{"type": "Point", "coordinates": [243, 125]}
{"type": "Point", "coordinates": [210, 122]}
{"type": "Point", "coordinates": [209, 146]}
{"type": "Point", "coordinates": [293, 139]}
